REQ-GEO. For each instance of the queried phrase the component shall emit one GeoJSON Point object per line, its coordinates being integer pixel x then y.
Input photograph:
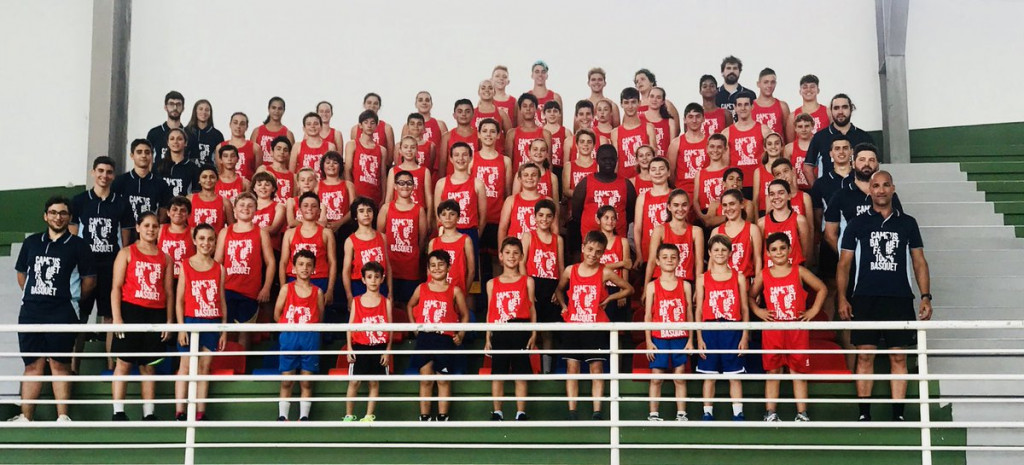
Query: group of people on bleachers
{"type": "Point", "coordinates": [508, 217]}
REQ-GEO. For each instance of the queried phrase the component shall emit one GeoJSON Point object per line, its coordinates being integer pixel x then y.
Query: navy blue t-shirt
{"type": "Point", "coordinates": [143, 193]}
{"type": "Point", "coordinates": [53, 270]}
{"type": "Point", "coordinates": [157, 137]}
{"type": "Point", "coordinates": [882, 249]}
{"type": "Point", "coordinates": [826, 186]}
{"type": "Point", "coordinates": [821, 145]}
{"type": "Point", "coordinates": [100, 222]}
{"type": "Point", "coordinates": [725, 99]}
{"type": "Point", "coordinates": [201, 144]}
{"type": "Point", "coordinates": [181, 177]}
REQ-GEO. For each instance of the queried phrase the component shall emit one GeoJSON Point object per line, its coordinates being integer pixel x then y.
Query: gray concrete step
{"type": "Point", "coordinates": [925, 172]}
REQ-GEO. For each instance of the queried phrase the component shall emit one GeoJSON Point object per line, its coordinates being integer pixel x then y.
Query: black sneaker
{"type": "Point", "coordinates": [864, 418]}
{"type": "Point", "coordinates": [282, 418]}
{"type": "Point", "coordinates": [119, 416]}
{"type": "Point", "coordinates": [899, 418]}
{"type": "Point", "coordinates": [521, 416]}
{"type": "Point", "coordinates": [442, 417]}
{"type": "Point", "coordinates": [573, 416]}
{"type": "Point", "coordinates": [181, 416]}
{"type": "Point", "coordinates": [303, 418]}
{"type": "Point", "coordinates": [598, 415]}
{"type": "Point", "coordinates": [495, 416]}
{"type": "Point", "coordinates": [426, 418]}
{"type": "Point", "coordinates": [150, 417]}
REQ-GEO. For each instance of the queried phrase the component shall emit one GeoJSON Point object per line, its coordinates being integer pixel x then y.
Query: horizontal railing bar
{"type": "Point", "coordinates": [537, 377]}
{"type": "Point", "coordinates": [524, 424]}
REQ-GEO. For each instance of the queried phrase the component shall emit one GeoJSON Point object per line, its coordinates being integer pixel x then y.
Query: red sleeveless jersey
{"type": "Point", "coordinates": [770, 116]}
{"type": "Point", "coordinates": [366, 171]}
{"type": "Point", "coordinates": [662, 134]}
{"type": "Point", "coordinates": [492, 173]}
{"type": "Point", "coordinates": [228, 190]}
{"type": "Point", "coordinates": [820, 117]}
{"type": "Point", "coordinates": [765, 177]}
{"type": "Point", "coordinates": [539, 116]}
{"type": "Point", "coordinates": [669, 306]}
{"type": "Point", "coordinates": [243, 260]}
{"type": "Point", "coordinates": [144, 280]}
{"type": "Point", "coordinates": [557, 146]}
{"type": "Point", "coordinates": [300, 310]}
{"type": "Point", "coordinates": [714, 122]}
{"type": "Point", "coordinates": [601, 134]}
{"type": "Point", "coordinates": [436, 307]}
{"type": "Point", "coordinates": [509, 301]}
{"type": "Point", "coordinates": [457, 253]}
{"type": "Point", "coordinates": [366, 251]}
{"type": "Point", "coordinates": [629, 141]}
{"type": "Point", "coordinates": [211, 213]}
{"type": "Point", "coordinates": [285, 185]}
{"type": "Point", "coordinates": [614, 254]}
{"type": "Point", "coordinates": [454, 137]}
{"type": "Point", "coordinates": [585, 297]}
{"type": "Point", "coordinates": [655, 212]}
{"type": "Point", "coordinates": [313, 244]}
{"type": "Point", "coordinates": [741, 259]}
{"type": "Point", "coordinates": [178, 246]}
{"type": "Point", "coordinates": [432, 131]}
{"type": "Point", "coordinates": [683, 242]}
{"type": "Point", "coordinates": [784, 297]}
{"type": "Point", "coordinates": [542, 257]}
{"type": "Point", "coordinates": [264, 137]}
{"type": "Point", "coordinates": [721, 298]}
{"type": "Point", "coordinates": [334, 199]}
{"type": "Point", "coordinates": [377, 314]}
{"type": "Point", "coordinates": [263, 218]}
{"type": "Point", "coordinates": [798, 157]}
{"type": "Point", "coordinates": [690, 159]}
{"type": "Point", "coordinates": [796, 202]}
{"type": "Point", "coordinates": [641, 185]}
{"type": "Point", "coordinates": [580, 172]}
{"type": "Point", "coordinates": [403, 231]}
{"type": "Point", "coordinates": [545, 185]}
{"type": "Point", "coordinates": [521, 145]}
{"type": "Point", "coordinates": [425, 156]}
{"type": "Point", "coordinates": [202, 291]}
{"type": "Point", "coordinates": [523, 220]}
{"type": "Point", "coordinates": [789, 227]}
{"type": "Point", "coordinates": [479, 116]}
{"type": "Point", "coordinates": [600, 194]}
{"type": "Point", "coordinates": [380, 136]}
{"type": "Point", "coordinates": [246, 165]}
{"type": "Point", "coordinates": [507, 106]}
{"type": "Point", "coordinates": [745, 149]}
{"type": "Point", "coordinates": [309, 157]}
{"type": "Point", "coordinates": [419, 179]}
{"type": "Point", "coordinates": [711, 187]}
{"type": "Point", "coordinates": [465, 195]}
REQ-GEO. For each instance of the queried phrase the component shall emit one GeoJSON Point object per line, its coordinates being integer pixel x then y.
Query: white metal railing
{"type": "Point", "coordinates": [614, 376]}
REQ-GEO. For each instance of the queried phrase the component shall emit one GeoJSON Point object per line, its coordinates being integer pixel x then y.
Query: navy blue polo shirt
{"type": "Point", "coordinates": [182, 177]}
{"type": "Point", "coordinates": [143, 193]}
{"type": "Point", "coordinates": [826, 186]}
{"type": "Point", "coordinates": [850, 202]}
{"type": "Point", "coordinates": [882, 249]}
{"type": "Point", "coordinates": [727, 100]}
{"type": "Point", "coordinates": [157, 137]}
{"type": "Point", "coordinates": [821, 145]}
{"type": "Point", "coordinates": [201, 144]}
{"type": "Point", "coordinates": [53, 270]}
{"type": "Point", "coordinates": [100, 221]}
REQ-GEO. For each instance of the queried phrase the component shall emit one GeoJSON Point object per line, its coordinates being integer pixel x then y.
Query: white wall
{"type": "Point", "coordinates": [240, 53]}
{"type": "Point", "coordinates": [44, 67]}
{"type": "Point", "coordinates": [964, 62]}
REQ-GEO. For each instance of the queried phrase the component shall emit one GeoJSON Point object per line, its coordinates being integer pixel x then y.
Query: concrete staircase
{"type": "Point", "coordinates": [977, 271]}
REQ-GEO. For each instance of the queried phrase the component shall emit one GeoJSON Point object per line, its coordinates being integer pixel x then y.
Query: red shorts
{"type": "Point", "coordinates": [792, 339]}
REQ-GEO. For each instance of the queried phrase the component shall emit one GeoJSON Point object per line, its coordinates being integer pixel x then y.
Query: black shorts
{"type": "Point", "coordinates": [510, 364]}
{"type": "Point", "coordinates": [100, 295]}
{"type": "Point", "coordinates": [543, 290]}
{"type": "Point", "coordinates": [140, 342]}
{"type": "Point", "coordinates": [47, 342]}
{"type": "Point", "coordinates": [883, 308]}
{"type": "Point", "coordinates": [584, 340]}
{"type": "Point", "coordinates": [489, 239]}
{"type": "Point", "coordinates": [367, 364]}
{"type": "Point", "coordinates": [426, 344]}
{"type": "Point", "coordinates": [828, 261]}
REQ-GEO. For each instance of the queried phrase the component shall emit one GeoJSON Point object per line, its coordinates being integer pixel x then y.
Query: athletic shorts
{"type": "Point", "coordinates": [100, 296]}
{"type": "Point", "coordinates": [367, 364]}
{"type": "Point", "coordinates": [241, 309]}
{"type": "Point", "coordinates": [791, 339]}
{"type": "Point", "coordinates": [299, 341]}
{"type": "Point", "coordinates": [883, 308]}
{"type": "Point", "coordinates": [426, 344]}
{"type": "Point", "coordinates": [358, 288]}
{"type": "Point", "coordinates": [511, 364]}
{"type": "Point", "coordinates": [727, 339]}
{"type": "Point", "coordinates": [489, 239]}
{"type": "Point", "coordinates": [474, 237]}
{"type": "Point", "coordinates": [543, 290]}
{"type": "Point", "coordinates": [136, 342]}
{"type": "Point", "coordinates": [669, 361]}
{"type": "Point", "coordinates": [208, 340]}
{"type": "Point", "coordinates": [47, 342]}
{"type": "Point", "coordinates": [584, 340]}
{"type": "Point", "coordinates": [404, 289]}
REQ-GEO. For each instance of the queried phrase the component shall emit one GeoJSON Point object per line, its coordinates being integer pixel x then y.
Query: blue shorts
{"type": "Point", "coordinates": [48, 342]}
{"type": "Point", "coordinates": [241, 309]}
{"type": "Point", "coordinates": [358, 289]}
{"type": "Point", "coordinates": [474, 237]}
{"type": "Point", "coordinates": [300, 341]}
{"type": "Point", "coordinates": [404, 289]}
{"type": "Point", "coordinates": [208, 340]}
{"type": "Point", "coordinates": [426, 343]}
{"type": "Point", "coordinates": [721, 363]}
{"type": "Point", "coordinates": [669, 361]}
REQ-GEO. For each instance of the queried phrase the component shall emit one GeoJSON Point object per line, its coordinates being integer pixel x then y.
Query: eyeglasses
{"type": "Point", "coordinates": [62, 213]}
{"type": "Point", "coordinates": [405, 183]}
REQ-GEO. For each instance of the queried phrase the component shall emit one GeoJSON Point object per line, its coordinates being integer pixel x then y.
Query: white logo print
{"type": "Point", "coordinates": [99, 231]}
{"type": "Point", "coordinates": [401, 231]}
{"type": "Point", "coordinates": [489, 175]}
{"type": "Point", "coordinates": [369, 167]}
{"type": "Point", "coordinates": [238, 252]}
{"type": "Point", "coordinates": [655, 215]}
{"type": "Point", "coordinates": [883, 247]}
{"type": "Point", "coordinates": [695, 159]}
{"type": "Point", "coordinates": [767, 119]}
{"type": "Point", "coordinates": [712, 188]}
{"type": "Point", "coordinates": [544, 261]}
{"type": "Point", "coordinates": [684, 255]}
{"type": "Point", "coordinates": [462, 197]}
{"type": "Point", "coordinates": [45, 269]}
{"type": "Point", "coordinates": [140, 204]}
{"type": "Point", "coordinates": [672, 310]}
{"type": "Point", "coordinates": [710, 126]}
{"type": "Point", "coordinates": [375, 337]}
{"type": "Point", "coordinates": [176, 249]}
{"type": "Point", "coordinates": [629, 146]}
{"type": "Point", "coordinates": [434, 311]}
{"type": "Point", "coordinates": [298, 314]}
{"type": "Point", "coordinates": [204, 215]}
{"type": "Point", "coordinates": [261, 220]}
{"type": "Point", "coordinates": [584, 299]}
{"type": "Point", "coordinates": [783, 299]}
{"type": "Point", "coordinates": [527, 220]}
{"type": "Point", "coordinates": [745, 147]}
{"type": "Point", "coordinates": [332, 200]}
{"type": "Point", "coordinates": [523, 149]}
{"type": "Point", "coordinates": [176, 185]}
{"type": "Point", "coordinates": [507, 302]}
{"type": "Point", "coordinates": [722, 303]}
{"type": "Point", "coordinates": [738, 252]}
{"type": "Point", "coordinates": [268, 154]}
{"type": "Point", "coordinates": [607, 197]}
{"type": "Point", "coordinates": [204, 291]}
{"type": "Point", "coordinates": [374, 254]}
{"type": "Point", "coordinates": [148, 277]}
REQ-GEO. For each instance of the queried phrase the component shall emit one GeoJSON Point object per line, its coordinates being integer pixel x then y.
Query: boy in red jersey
{"type": "Point", "coordinates": [687, 154]}
{"type": "Point", "coordinates": [539, 73]}
{"type": "Point", "coordinates": [510, 300]}
{"type": "Point", "coordinates": [365, 245]}
{"type": "Point", "coordinates": [786, 300]}
{"type": "Point", "coordinates": [544, 262]}
{"type": "Point", "coordinates": [175, 238]}
{"type": "Point", "coordinates": [667, 300]}
{"type": "Point", "coordinates": [716, 118]}
{"type": "Point", "coordinates": [722, 296]}
{"type": "Point", "coordinates": [559, 133]}
{"type": "Point", "coordinates": [584, 284]}
{"type": "Point", "coordinates": [796, 150]}
{"type": "Point", "coordinates": [246, 251]}
{"type": "Point", "coordinates": [458, 246]}
{"type": "Point", "coordinates": [781, 217]}
{"type": "Point", "coordinates": [281, 149]}
{"type": "Point", "coordinates": [810, 106]}
{"type": "Point", "coordinates": [382, 134]}
{"type": "Point", "coordinates": [707, 184]}
{"type": "Point", "coordinates": [366, 160]}
{"type": "Point", "coordinates": [300, 302]}
{"type": "Point", "coordinates": [504, 101]}
{"type": "Point", "coordinates": [597, 81]}
{"type": "Point", "coordinates": [464, 132]}
{"type": "Point", "coordinates": [404, 224]}
{"type": "Point", "coordinates": [519, 138]}
{"type": "Point", "coordinates": [314, 237]}
{"type": "Point", "coordinates": [746, 141]}
{"type": "Point", "coordinates": [767, 109]}
{"type": "Point", "coordinates": [369, 308]}
{"type": "Point", "coordinates": [437, 301]}
{"type": "Point", "coordinates": [633, 133]}
{"type": "Point", "coordinates": [426, 150]}
{"type": "Point", "coordinates": [468, 191]}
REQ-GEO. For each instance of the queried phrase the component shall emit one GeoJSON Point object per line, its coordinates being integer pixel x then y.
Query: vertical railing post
{"type": "Point", "coordinates": [923, 392]}
{"type": "Point", "coordinates": [613, 401]}
{"type": "Point", "coordinates": [193, 389]}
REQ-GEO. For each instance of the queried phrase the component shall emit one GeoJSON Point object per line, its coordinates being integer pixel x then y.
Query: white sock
{"type": "Point", "coordinates": [283, 407]}
{"type": "Point", "coordinates": [500, 414]}
{"type": "Point", "coordinates": [304, 407]}
{"type": "Point", "coordinates": [680, 412]}
{"type": "Point", "coordinates": [118, 407]}
{"type": "Point", "coordinates": [653, 414]}
{"type": "Point", "coordinates": [708, 409]}
{"type": "Point", "coordinates": [148, 409]}
{"type": "Point", "coordinates": [520, 412]}
{"type": "Point", "coordinates": [737, 409]}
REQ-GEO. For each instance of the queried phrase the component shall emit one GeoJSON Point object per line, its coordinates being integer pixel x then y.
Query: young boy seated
{"type": "Point", "coordinates": [369, 308]}
{"type": "Point", "coordinates": [300, 302]}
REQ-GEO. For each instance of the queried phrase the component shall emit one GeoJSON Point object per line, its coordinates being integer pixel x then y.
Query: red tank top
{"type": "Point", "coordinates": [789, 227]}
{"type": "Point", "coordinates": [721, 298]}
{"type": "Point", "coordinates": [331, 132]}
{"type": "Point", "coordinates": [309, 157]}
{"type": "Point", "coordinates": [432, 132]}
{"type": "Point", "coordinates": [264, 137]}
{"type": "Point", "coordinates": [243, 260]}
{"type": "Point", "coordinates": [629, 141]}
{"type": "Point", "coordinates": [202, 291]}
{"type": "Point", "coordinates": [770, 116]}
{"type": "Point", "coordinates": [585, 297]}
{"type": "Point", "coordinates": [457, 253]}
{"type": "Point", "coordinates": [523, 219]}
{"type": "Point", "coordinates": [602, 134]}
{"type": "Point", "coordinates": [178, 246]}
{"type": "Point", "coordinates": [377, 314]}
{"type": "Point", "coordinates": [539, 116]}
{"type": "Point", "coordinates": [784, 297]}
{"type": "Point", "coordinates": [614, 254]}
{"type": "Point", "coordinates": [796, 202]}
{"type": "Point", "coordinates": [313, 244]}
{"type": "Point", "coordinates": [669, 307]}
{"type": "Point", "coordinates": [436, 307]}
{"type": "Point", "coordinates": [820, 116]}
{"type": "Point", "coordinates": [366, 251]}
{"type": "Point", "coordinates": [521, 145]}
{"type": "Point", "coordinates": [228, 190]}
{"type": "Point", "coordinates": [211, 213]}
{"type": "Point", "coordinates": [366, 171]}
{"type": "Point", "coordinates": [380, 136]}
{"type": "Point", "coordinates": [741, 259]}
{"type": "Point", "coordinates": [265, 217]}
{"type": "Point", "coordinates": [508, 106]}
{"type": "Point", "coordinates": [690, 159]}
{"type": "Point", "coordinates": [683, 242]}
{"type": "Point", "coordinates": [285, 183]}
{"type": "Point", "coordinates": [580, 172]}
{"type": "Point", "coordinates": [641, 185]}
{"type": "Point", "coordinates": [479, 116]}
{"type": "Point", "coordinates": [509, 301]}
{"type": "Point", "coordinates": [557, 147]}
{"type": "Point", "coordinates": [465, 195]}
{"type": "Point", "coordinates": [714, 122]}
{"type": "Point", "coordinates": [454, 137]}
{"type": "Point", "coordinates": [300, 310]}
{"type": "Point", "coordinates": [419, 180]}
{"type": "Point", "coordinates": [745, 149]}
{"type": "Point", "coordinates": [662, 134]}
{"type": "Point", "coordinates": [492, 173]}
{"type": "Point", "coordinates": [144, 279]}
{"type": "Point", "coordinates": [545, 185]}
{"type": "Point", "coordinates": [425, 156]}
{"type": "Point", "coordinates": [542, 257]}
{"type": "Point", "coordinates": [655, 211]}
{"type": "Point", "coordinates": [765, 177]}
{"type": "Point", "coordinates": [403, 231]}
{"type": "Point", "coordinates": [334, 199]}
{"type": "Point", "coordinates": [798, 157]}
{"type": "Point", "coordinates": [711, 187]}
{"type": "Point", "coordinates": [600, 194]}
{"type": "Point", "coordinates": [246, 165]}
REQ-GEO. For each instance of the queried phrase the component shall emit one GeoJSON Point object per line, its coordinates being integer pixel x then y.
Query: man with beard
{"type": "Point", "coordinates": [818, 151]}
{"type": "Point", "coordinates": [604, 187]}
{"type": "Point", "coordinates": [853, 199]}
{"type": "Point", "coordinates": [174, 103]}
{"type": "Point", "coordinates": [731, 88]}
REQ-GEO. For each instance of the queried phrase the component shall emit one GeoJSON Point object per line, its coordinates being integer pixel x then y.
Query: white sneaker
{"type": "Point", "coordinates": [771, 417]}
{"type": "Point", "coordinates": [802, 416]}
{"type": "Point", "coordinates": [681, 416]}
{"type": "Point", "coordinates": [654, 417]}
{"type": "Point", "coordinates": [63, 419]}
{"type": "Point", "coordinates": [19, 418]}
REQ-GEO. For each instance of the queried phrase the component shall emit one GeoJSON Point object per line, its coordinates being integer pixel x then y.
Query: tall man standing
{"type": "Point", "coordinates": [174, 104]}
{"type": "Point", "coordinates": [821, 144]}
{"type": "Point", "coordinates": [731, 88]}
